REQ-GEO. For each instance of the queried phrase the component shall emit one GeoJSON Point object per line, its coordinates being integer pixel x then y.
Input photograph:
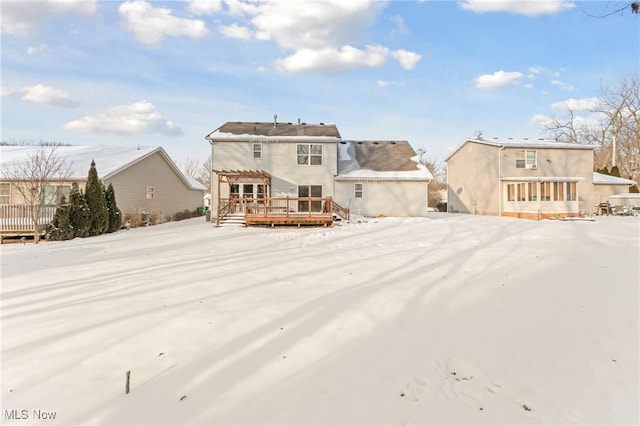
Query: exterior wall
{"type": "Point", "coordinates": [602, 192]}
{"type": "Point", "coordinates": [553, 163]}
{"type": "Point", "coordinates": [279, 159]}
{"type": "Point", "coordinates": [473, 180]}
{"type": "Point", "coordinates": [16, 197]}
{"type": "Point", "coordinates": [171, 194]}
{"type": "Point", "coordinates": [384, 198]}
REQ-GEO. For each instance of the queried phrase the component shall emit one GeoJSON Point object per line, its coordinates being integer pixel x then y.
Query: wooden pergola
{"type": "Point", "coordinates": [233, 176]}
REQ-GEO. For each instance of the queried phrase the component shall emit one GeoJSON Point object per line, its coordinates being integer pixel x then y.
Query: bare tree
{"type": "Point", "coordinates": [41, 169]}
{"type": "Point", "coordinates": [199, 171]}
{"type": "Point", "coordinates": [612, 124]}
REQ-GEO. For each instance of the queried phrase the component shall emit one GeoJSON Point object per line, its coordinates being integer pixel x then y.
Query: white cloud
{"type": "Point", "coordinates": [563, 85]}
{"type": "Point", "coordinates": [407, 59]}
{"type": "Point", "coordinates": [41, 94]}
{"type": "Point", "coordinates": [541, 120]}
{"type": "Point", "coordinates": [315, 24]}
{"type": "Point", "coordinates": [150, 24]}
{"type": "Point", "coordinates": [401, 28]}
{"type": "Point", "coordinates": [43, 49]}
{"type": "Point", "coordinates": [386, 83]}
{"type": "Point", "coordinates": [521, 7]}
{"type": "Point", "coordinates": [204, 7]}
{"type": "Point", "coordinates": [347, 57]}
{"type": "Point", "coordinates": [5, 91]}
{"type": "Point", "coordinates": [321, 34]}
{"type": "Point", "coordinates": [136, 118]}
{"type": "Point", "coordinates": [20, 18]}
{"type": "Point", "coordinates": [497, 80]}
{"type": "Point", "coordinates": [236, 31]}
{"type": "Point", "coordinates": [583, 104]}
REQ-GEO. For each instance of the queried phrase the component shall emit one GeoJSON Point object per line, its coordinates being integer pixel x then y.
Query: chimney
{"type": "Point", "coordinates": [298, 121]}
{"type": "Point", "coordinates": [275, 120]}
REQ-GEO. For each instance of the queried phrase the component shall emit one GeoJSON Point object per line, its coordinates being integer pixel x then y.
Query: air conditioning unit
{"type": "Point", "coordinates": [532, 166]}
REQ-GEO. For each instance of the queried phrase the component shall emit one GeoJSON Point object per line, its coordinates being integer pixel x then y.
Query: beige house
{"type": "Point", "coordinates": [532, 179]}
{"type": "Point", "coordinates": [143, 178]}
{"type": "Point", "coordinates": [286, 171]}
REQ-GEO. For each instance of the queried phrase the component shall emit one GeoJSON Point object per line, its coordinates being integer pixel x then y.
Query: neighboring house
{"type": "Point", "coordinates": [532, 179]}
{"type": "Point", "coordinates": [143, 178]}
{"type": "Point", "coordinates": [604, 186]}
{"type": "Point", "coordinates": [284, 161]}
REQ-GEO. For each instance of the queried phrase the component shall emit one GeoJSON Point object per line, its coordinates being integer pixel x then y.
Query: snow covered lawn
{"type": "Point", "coordinates": [455, 319]}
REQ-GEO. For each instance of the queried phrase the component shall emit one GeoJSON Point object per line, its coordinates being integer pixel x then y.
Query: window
{"type": "Point", "coordinates": [151, 192]}
{"type": "Point", "coordinates": [358, 190]}
{"type": "Point", "coordinates": [511, 192]}
{"type": "Point", "coordinates": [5, 193]}
{"type": "Point", "coordinates": [526, 159]}
{"type": "Point", "coordinates": [310, 191]}
{"type": "Point", "coordinates": [257, 150]}
{"type": "Point", "coordinates": [558, 191]}
{"type": "Point", "coordinates": [572, 191]}
{"type": "Point", "coordinates": [520, 192]}
{"type": "Point", "coordinates": [532, 187]}
{"type": "Point", "coordinates": [247, 190]}
{"type": "Point", "coordinates": [234, 191]}
{"type": "Point", "coordinates": [309, 155]}
{"type": "Point", "coordinates": [545, 191]}
{"type": "Point", "coordinates": [53, 194]}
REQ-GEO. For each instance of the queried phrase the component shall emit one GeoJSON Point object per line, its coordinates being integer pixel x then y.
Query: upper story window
{"type": "Point", "coordinates": [257, 150]}
{"type": "Point", "coordinates": [526, 159]}
{"type": "Point", "coordinates": [5, 193]}
{"type": "Point", "coordinates": [309, 155]}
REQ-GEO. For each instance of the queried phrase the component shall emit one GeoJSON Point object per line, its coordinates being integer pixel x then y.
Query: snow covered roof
{"type": "Point", "coordinates": [521, 143]}
{"type": "Point", "coordinates": [110, 160]}
{"type": "Point", "coordinates": [248, 131]}
{"type": "Point", "coordinates": [599, 178]}
{"type": "Point", "coordinates": [379, 160]}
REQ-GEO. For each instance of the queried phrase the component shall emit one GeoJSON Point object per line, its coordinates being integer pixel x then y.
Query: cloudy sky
{"type": "Point", "coordinates": [430, 72]}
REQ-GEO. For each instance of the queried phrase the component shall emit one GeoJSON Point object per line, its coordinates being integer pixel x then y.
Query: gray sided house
{"type": "Point", "coordinates": [143, 178]}
{"type": "Point", "coordinates": [532, 179]}
{"type": "Point", "coordinates": [255, 161]}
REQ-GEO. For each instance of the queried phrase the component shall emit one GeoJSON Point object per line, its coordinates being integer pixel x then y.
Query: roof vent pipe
{"type": "Point", "coordinates": [298, 121]}
{"type": "Point", "coordinates": [275, 120]}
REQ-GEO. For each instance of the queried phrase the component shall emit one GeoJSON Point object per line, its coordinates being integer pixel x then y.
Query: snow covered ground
{"type": "Point", "coordinates": [454, 319]}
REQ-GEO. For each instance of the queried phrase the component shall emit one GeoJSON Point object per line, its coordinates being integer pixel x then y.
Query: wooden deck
{"type": "Point", "coordinates": [283, 211]}
{"type": "Point", "coordinates": [15, 220]}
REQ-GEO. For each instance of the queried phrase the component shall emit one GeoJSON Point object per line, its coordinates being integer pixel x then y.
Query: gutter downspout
{"type": "Point", "coordinates": [211, 183]}
{"type": "Point", "coordinates": [500, 180]}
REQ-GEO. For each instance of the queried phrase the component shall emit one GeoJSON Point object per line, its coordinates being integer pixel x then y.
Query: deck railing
{"type": "Point", "coordinates": [17, 218]}
{"type": "Point", "coordinates": [343, 212]}
{"type": "Point", "coordinates": [266, 207]}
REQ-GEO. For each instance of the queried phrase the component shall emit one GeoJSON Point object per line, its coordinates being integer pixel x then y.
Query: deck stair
{"type": "Point", "coordinates": [233, 219]}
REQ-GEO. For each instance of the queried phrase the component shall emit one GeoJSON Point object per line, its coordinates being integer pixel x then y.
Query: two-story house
{"type": "Point", "coordinates": [307, 169]}
{"type": "Point", "coordinates": [532, 179]}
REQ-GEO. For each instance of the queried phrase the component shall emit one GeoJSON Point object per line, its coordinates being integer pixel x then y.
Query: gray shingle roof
{"type": "Point", "coordinates": [281, 129]}
{"type": "Point", "coordinates": [381, 156]}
